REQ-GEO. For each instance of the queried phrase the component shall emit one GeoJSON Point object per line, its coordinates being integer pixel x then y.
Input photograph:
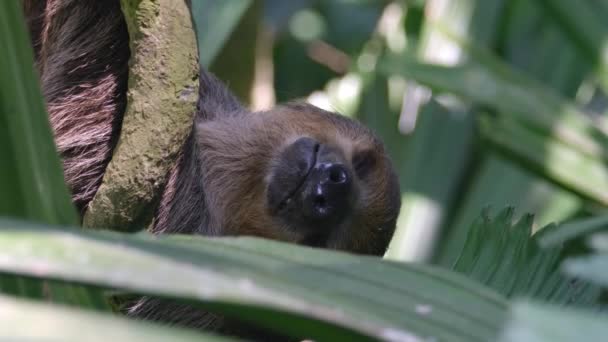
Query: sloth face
{"type": "Point", "coordinates": [299, 174]}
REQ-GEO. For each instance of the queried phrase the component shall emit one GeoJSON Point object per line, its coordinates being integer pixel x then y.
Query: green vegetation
{"type": "Point", "coordinates": [487, 103]}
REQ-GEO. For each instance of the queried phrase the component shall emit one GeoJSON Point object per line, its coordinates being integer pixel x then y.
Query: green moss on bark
{"type": "Point", "coordinates": [163, 91]}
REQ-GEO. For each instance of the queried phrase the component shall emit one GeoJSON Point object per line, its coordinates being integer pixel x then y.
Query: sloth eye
{"type": "Point", "coordinates": [364, 162]}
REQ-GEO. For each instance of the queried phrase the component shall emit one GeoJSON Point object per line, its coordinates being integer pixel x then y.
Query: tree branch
{"type": "Point", "coordinates": [163, 91]}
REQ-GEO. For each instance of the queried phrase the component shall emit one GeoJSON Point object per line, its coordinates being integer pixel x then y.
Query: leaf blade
{"type": "Point", "coordinates": [318, 284]}
{"type": "Point", "coordinates": [532, 322]}
{"type": "Point", "coordinates": [214, 22]}
{"type": "Point", "coordinates": [62, 324]}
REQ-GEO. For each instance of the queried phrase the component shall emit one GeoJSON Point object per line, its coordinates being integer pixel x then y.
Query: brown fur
{"type": "Point", "coordinates": [237, 152]}
{"type": "Point", "coordinates": [225, 163]}
{"type": "Point", "coordinates": [81, 49]}
{"type": "Point", "coordinates": [219, 184]}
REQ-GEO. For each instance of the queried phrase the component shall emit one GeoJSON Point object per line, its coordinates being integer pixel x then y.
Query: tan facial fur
{"type": "Point", "coordinates": [237, 153]}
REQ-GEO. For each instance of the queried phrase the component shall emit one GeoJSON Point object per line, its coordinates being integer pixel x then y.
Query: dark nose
{"type": "Point", "coordinates": [327, 194]}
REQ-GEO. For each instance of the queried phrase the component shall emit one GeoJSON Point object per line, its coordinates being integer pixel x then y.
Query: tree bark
{"type": "Point", "coordinates": [162, 95]}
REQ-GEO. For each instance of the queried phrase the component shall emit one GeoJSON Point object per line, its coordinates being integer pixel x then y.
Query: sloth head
{"type": "Point", "coordinates": [299, 174]}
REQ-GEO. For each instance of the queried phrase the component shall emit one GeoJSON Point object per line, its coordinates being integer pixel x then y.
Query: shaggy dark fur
{"type": "Point", "coordinates": [220, 183]}
{"type": "Point", "coordinates": [181, 203]}
{"type": "Point", "coordinates": [82, 54]}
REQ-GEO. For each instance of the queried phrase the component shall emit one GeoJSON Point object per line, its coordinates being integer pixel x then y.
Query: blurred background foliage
{"type": "Point", "coordinates": [480, 103]}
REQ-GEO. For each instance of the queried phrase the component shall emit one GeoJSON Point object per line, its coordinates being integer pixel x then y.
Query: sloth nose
{"type": "Point", "coordinates": [326, 198]}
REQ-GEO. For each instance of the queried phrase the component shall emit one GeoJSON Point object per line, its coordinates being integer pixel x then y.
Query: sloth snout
{"type": "Point", "coordinates": [326, 194]}
{"type": "Point", "coordinates": [311, 187]}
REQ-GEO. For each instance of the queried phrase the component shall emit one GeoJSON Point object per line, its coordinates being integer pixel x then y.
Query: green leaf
{"type": "Point", "coordinates": [531, 40]}
{"type": "Point", "coordinates": [301, 291]}
{"type": "Point", "coordinates": [214, 21]}
{"type": "Point", "coordinates": [524, 101]}
{"type": "Point", "coordinates": [430, 190]}
{"type": "Point", "coordinates": [540, 152]}
{"type": "Point", "coordinates": [30, 175]}
{"type": "Point", "coordinates": [488, 81]}
{"type": "Point", "coordinates": [499, 183]}
{"type": "Point", "coordinates": [571, 230]}
{"type": "Point", "coordinates": [531, 322]}
{"type": "Point", "coordinates": [505, 257]}
{"type": "Point", "coordinates": [586, 27]}
{"type": "Point", "coordinates": [30, 321]}
{"type": "Point", "coordinates": [599, 241]}
{"type": "Point", "coordinates": [593, 268]}
{"type": "Point", "coordinates": [235, 63]}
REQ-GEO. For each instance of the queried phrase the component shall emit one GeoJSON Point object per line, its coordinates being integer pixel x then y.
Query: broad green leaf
{"type": "Point", "coordinates": [31, 176]}
{"type": "Point", "coordinates": [527, 43]}
{"type": "Point", "coordinates": [429, 191]}
{"type": "Point", "coordinates": [585, 27]}
{"type": "Point", "coordinates": [552, 158]}
{"type": "Point", "coordinates": [30, 173]}
{"type": "Point", "coordinates": [599, 241]}
{"type": "Point", "coordinates": [505, 257]}
{"type": "Point", "coordinates": [530, 41]}
{"type": "Point", "coordinates": [538, 108]}
{"type": "Point", "coordinates": [572, 230]}
{"type": "Point", "coordinates": [530, 322]}
{"type": "Point", "coordinates": [214, 21]}
{"type": "Point", "coordinates": [489, 82]}
{"type": "Point", "coordinates": [29, 321]}
{"type": "Point", "coordinates": [499, 183]}
{"type": "Point", "coordinates": [235, 63]}
{"type": "Point", "coordinates": [301, 291]}
{"type": "Point", "coordinates": [593, 267]}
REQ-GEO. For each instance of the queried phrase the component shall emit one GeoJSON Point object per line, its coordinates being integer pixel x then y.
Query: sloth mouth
{"type": "Point", "coordinates": [299, 182]}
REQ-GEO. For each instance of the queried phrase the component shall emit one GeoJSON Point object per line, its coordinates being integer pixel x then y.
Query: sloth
{"type": "Point", "coordinates": [295, 173]}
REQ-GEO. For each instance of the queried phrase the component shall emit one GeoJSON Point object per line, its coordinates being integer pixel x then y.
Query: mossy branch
{"type": "Point", "coordinates": [163, 91]}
